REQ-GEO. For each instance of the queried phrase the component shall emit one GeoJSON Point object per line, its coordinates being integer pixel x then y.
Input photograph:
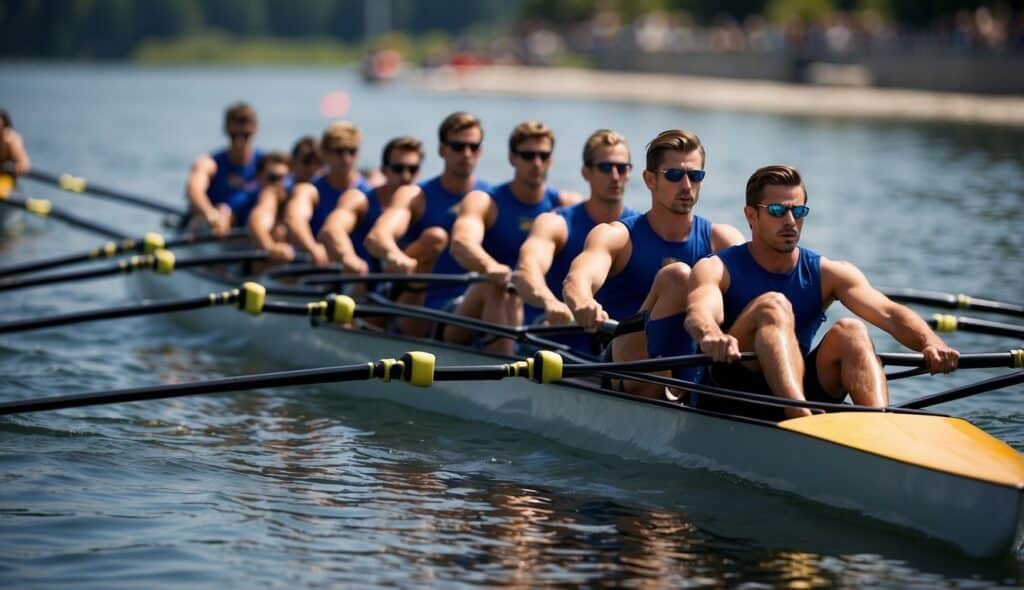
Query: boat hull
{"type": "Point", "coordinates": [980, 517]}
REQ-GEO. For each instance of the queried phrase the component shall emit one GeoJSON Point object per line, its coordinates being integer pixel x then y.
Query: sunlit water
{"type": "Point", "coordinates": [300, 487]}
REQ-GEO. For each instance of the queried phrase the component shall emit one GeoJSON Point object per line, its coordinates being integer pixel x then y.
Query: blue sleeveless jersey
{"type": "Point", "coordinates": [242, 203]}
{"type": "Point", "coordinates": [624, 293]}
{"type": "Point", "coordinates": [442, 208]}
{"type": "Point", "coordinates": [802, 286]}
{"type": "Point", "coordinates": [362, 228]}
{"type": "Point", "coordinates": [578, 223]}
{"type": "Point", "coordinates": [329, 200]}
{"type": "Point", "coordinates": [232, 179]}
{"type": "Point", "coordinates": [512, 226]}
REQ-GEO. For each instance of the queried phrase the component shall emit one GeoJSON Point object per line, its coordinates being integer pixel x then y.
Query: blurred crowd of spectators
{"type": "Point", "coordinates": [983, 30]}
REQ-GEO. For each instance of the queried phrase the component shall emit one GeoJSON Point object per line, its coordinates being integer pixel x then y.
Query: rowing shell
{"type": "Point", "coordinates": [932, 474]}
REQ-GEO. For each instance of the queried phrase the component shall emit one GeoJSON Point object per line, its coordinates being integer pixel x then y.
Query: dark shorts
{"type": "Point", "coordinates": [736, 376]}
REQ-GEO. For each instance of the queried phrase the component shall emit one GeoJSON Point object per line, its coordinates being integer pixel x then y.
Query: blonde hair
{"type": "Point", "coordinates": [529, 130]}
{"type": "Point", "coordinates": [343, 133]}
{"type": "Point", "coordinates": [599, 138]}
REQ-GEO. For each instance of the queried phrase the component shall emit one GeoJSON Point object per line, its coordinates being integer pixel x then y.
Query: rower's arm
{"type": "Point", "coordinates": [705, 309]}
{"type": "Point", "coordinates": [18, 154]}
{"type": "Point", "coordinates": [393, 223]}
{"type": "Point", "coordinates": [297, 214]}
{"type": "Point", "coordinates": [845, 282]}
{"type": "Point", "coordinates": [262, 220]}
{"type": "Point", "coordinates": [547, 237]}
{"type": "Point", "coordinates": [337, 230]}
{"type": "Point", "coordinates": [203, 170]}
{"type": "Point", "coordinates": [477, 212]}
{"type": "Point", "coordinates": [724, 236]}
{"type": "Point", "coordinates": [568, 198]}
{"type": "Point", "coordinates": [590, 270]}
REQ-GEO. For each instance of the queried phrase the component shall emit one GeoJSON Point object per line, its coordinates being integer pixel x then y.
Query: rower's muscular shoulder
{"type": "Point", "coordinates": [550, 227]}
{"type": "Point", "coordinates": [724, 235]}
{"type": "Point", "coordinates": [838, 277]}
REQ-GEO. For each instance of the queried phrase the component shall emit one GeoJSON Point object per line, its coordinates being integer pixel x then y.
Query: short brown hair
{"type": "Point", "coordinates": [775, 175]}
{"type": "Point", "coordinates": [529, 130]}
{"type": "Point", "coordinates": [456, 122]}
{"type": "Point", "coordinates": [271, 158]}
{"type": "Point", "coordinates": [673, 140]}
{"type": "Point", "coordinates": [241, 113]}
{"type": "Point", "coordinates": [601, 137]}
{"type": "Point", "coordinates": [343, 133]}
{"type": "Point", "coordinates": [404, 143]}
{"type": "Point", "coordinates": [6, 119]}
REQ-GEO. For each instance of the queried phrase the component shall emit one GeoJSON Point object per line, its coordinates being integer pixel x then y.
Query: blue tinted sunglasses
{"type": "Point", "coordinates": [676, 174]}
{"type": "Point", "coordinates": [607, 167]}
{"type": "Point", "coordinates": [779, 210]}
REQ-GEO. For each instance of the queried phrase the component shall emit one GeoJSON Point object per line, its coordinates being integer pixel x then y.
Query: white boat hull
{"type": "Point", "coordinates": [980, 517]}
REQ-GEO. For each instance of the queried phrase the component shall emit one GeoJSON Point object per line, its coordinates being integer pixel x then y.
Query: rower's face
{"type": "Point", "coordinates": [240, 134]}
{"type": "Point", "coordinates": [531, 160]}
{"type": "Point", "coordinates": [306, 166]}
{"type": "Point", "coordinates": [781, 234]}
{"type": "Point", "coordinates": [608, 186]}
{"type": "Point", "coordinates": [274, 174]}
{"type": "Point", "coordinates": [403, 168]}
{"type": "Point", "coordinates": [461, 151]}
{"type": "Point", "coordinates": [341, 157]}
{"type": "Point", "coordinates": [677, 197]}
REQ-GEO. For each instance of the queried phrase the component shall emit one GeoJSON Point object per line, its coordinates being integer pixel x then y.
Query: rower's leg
{"type": "Point", "coordinates": [491, 303]}
{"type": "Point", "coordinates": [847, 363]}
{"type": "Point", "coordinates": [666, 298]}
{"type": "Point", "coordinates": [767, 327]}
{"type": "Point", "coordinates": [425, 250]}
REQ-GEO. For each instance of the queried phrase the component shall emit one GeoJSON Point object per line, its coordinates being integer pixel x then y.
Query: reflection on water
{"type": "Point", "coordinates": [306, 487]}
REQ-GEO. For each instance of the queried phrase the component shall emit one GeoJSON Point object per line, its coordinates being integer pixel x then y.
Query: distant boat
{"type": "Point", "coordinates": [382, 66]}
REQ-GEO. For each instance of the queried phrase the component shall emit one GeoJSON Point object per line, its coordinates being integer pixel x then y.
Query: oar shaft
{"type": "Point", "coordinates": [965, 391]}
{"type": "Point", "coordinates": [951, 301]}
{"type": "Point", "coordinates": [80, 185]}
{"type": "Point", "coordinates": [980, 360]}
{"type": "Point", "coordinates": [948, 323]}
{"type": "Point", "coordinates": [68, 218]}
{"type": "Point", "coordinates": [227, 385]}
{"type": "Point", "coordinates": [116, 312]}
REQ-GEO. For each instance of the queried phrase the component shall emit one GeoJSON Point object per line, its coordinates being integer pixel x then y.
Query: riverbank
{"type": "Point", "coordinates": [732, 95]}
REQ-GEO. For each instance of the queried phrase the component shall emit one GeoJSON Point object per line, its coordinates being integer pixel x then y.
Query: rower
{"type": "Point", "coordinates": [422, 216]}
{"type": "Point", "coordinates": [14, 161]}
{"type": "Point", "coordinates": [306, 161]}
{"type": "Point", "coordinates": [641, 259]}
{"type": "Point", "coordinates": [491, 227]}
{"type": "Point", "coordinates": [264, 220]}
{"type": "Point", "coordinates": [216, 178]}
{"type": "Point", "coordinates": [312, 202]}
{"type": "Point", "coordinates": [769, 296]}
{"type": "Point", "coordinates": [346, 227]}
{"type": "Point", "coordinates": [557, 237]}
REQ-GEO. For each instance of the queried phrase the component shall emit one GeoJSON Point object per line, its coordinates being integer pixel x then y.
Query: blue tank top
{"type": "Point", "coordinates": [441, 211]}
{"type": "Point", "coordinates": [231, 178]}
{"type": "Point", "coordinates": [802, 286]}
{"type": "Point", "coordinates": [578, 223]}
{"type": "Point", "coordinates": [329, 200]}
{"type": "Point", "coordinates": [242, 203]}
{"type": "Point", "coordinates": [503, 239]}
{"type": "Point", "coordinates": [624, 293]}
{"type": "Point", "coordinates": [362, 228]}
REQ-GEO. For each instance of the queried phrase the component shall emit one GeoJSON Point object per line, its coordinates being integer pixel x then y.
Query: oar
{"type": "Point", "coordinates": [431, 278]}
{"type": "Point", "coordinates": [162, 261]}
{"type": "Point", "coordinates": [147, 244]}
{"type": "Point", "coordinates": [1013, 359]}
{"type": "Point", "coordinates": [43, 208]}
{"type": "Point", "coordinates": [250, 297]}
{"type": "Point", "coordinates": [951, 301]}
{"type": "Point", "coordinates": [949, 323]}
{"type": "Point", "coordinates": [77, 184]}
{"type": "Point", "coordinates": [965, 391]}
{"type": "Point", "coordinates": [414, 368]}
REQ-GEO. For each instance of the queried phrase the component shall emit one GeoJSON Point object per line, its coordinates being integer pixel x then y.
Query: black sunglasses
{"type": "Point", "coordinates": [460, 146]}
{"type": "Point", "coordinates": [343, 151]}
{"type": "Point", "coordinates": [676, 174]}
{"type": "Point", "coordinates": [272, 178]}
{"type": "Point", "coordinates": [400, 168]}
{"type": "Point", "coordinates": [531, 155]}
{"type": "Point", "coordinates": [779, 210]}
{"type": "Point", "coordinates": [310, 159]}
{"type": "Point", "coordinates": [240, 134]}
{"type": "Point", "coordinates": [607, 167]}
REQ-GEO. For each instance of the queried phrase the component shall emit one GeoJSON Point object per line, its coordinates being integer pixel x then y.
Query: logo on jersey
{"type": "Point", "coordinates": [668, 260]}
{"type": "Point", "coordinates": [525, 223]}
